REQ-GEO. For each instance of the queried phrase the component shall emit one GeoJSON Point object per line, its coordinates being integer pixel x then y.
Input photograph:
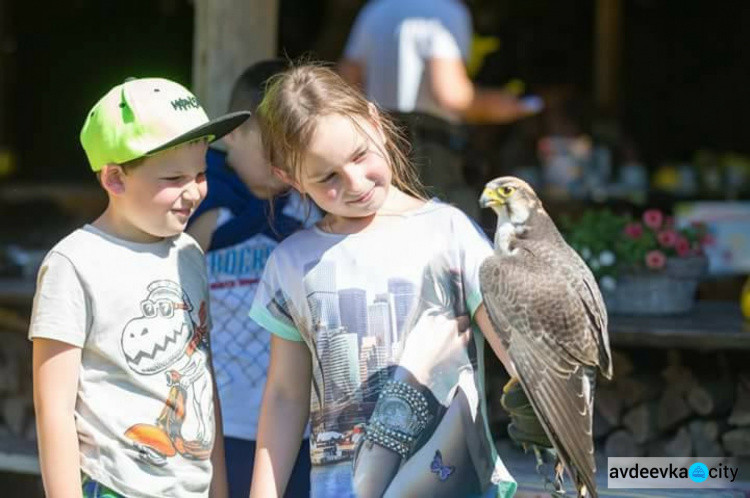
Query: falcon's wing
{"type": "Point", "coordinates": [589, 293]}
{"type": "Point", "coordinates": [546, 326]}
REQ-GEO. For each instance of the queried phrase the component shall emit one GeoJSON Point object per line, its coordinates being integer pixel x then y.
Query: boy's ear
{"type": "Point", "coordinates": [111, 178]}
{"type": "Point", "coordinates": [286, 178]}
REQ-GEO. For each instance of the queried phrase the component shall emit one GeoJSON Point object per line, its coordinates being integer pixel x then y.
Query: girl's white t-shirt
{"type": "Point", "coordinates": [354, 300]}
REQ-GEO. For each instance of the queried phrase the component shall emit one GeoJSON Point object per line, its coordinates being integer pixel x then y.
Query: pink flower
{"type": "Point", "coordinates": [634, 230]}
{"type": "Point", "coordinates": [653, 218]}
{"type": "Point", "coordinates": [667, 238]}
{"type": "Point", "coordinates": [682, 246]}
{"type": "Point", "coordinates": [655, 259]}
{"type": "Point", "coordinates": [707, 240]}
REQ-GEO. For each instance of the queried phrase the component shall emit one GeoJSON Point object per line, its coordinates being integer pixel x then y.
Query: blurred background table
{"type": "Point", "coordinates": [711, 325]}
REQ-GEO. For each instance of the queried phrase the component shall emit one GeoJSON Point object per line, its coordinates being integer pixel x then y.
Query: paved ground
{"type": "Point", "coordinates": [530, 484]}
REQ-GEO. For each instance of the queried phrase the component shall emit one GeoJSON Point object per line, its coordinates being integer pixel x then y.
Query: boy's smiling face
{"type": "Point", "coordinates": [156, 198]}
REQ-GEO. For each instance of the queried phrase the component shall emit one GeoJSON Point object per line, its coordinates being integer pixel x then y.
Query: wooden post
{"type": "Point", "coordinates": [229, 36]}
{"type": "Point", "coordinates": [607, 39]}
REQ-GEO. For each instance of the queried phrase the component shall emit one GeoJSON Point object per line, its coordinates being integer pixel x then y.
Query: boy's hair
{"type": "Point", "coordinates": [289, 113]}
{"type": "Point", "coordinates": [250, 87]}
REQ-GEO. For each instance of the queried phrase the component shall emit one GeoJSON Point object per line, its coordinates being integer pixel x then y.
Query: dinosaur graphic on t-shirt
{"type": "Point", "coordinates": [165, 339]}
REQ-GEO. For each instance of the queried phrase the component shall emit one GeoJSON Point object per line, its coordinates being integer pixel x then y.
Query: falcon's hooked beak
{"type": "Point", "coordinates": [490, 198]}
{"type": "Point", "coordinates": [496, 195]}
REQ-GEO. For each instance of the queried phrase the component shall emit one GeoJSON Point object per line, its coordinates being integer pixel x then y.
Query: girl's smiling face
{"type": "Point", "coordinates": [345, 169]}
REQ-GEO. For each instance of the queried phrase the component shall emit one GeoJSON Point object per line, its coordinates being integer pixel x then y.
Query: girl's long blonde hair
{"type": "Point", "coordinates": [288, 117]}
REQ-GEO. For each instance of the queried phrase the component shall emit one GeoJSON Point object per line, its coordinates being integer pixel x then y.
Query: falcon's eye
{"type": "Point", "coordinates": [505, 191]}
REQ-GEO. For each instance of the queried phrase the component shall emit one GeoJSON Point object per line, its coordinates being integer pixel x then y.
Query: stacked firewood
{"type": "Point", "coordinates": [16, 392]}
{"type": "Point", "coordinates": [675, 410]}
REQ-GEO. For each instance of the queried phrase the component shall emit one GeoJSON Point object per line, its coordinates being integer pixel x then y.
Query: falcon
{"type": "Point", "coordinates": [547, 309]}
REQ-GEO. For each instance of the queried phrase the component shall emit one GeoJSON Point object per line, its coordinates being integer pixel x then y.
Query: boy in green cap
{"type": "Point", "coordinates": [123, 385]}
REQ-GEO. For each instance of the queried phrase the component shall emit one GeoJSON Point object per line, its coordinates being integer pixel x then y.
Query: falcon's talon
{"type": "Point", "coordinates": [539, 459]}
{"type": "Point", "coordinates": [559, 474]}
{"type": "Point", "coordinates": [540, 464]}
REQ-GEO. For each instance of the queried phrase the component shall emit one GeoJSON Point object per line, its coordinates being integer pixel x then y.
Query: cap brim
{"type": "Point", "coordinates": [216, 128]}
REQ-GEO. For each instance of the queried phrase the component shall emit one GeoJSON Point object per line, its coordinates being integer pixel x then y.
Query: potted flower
{"type": "Point", "coordinates": [643, 266]}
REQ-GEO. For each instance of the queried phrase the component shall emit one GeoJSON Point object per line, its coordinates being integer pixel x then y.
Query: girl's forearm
{"type": "Point", "coordinates": [280, 429]}
{"type": "Point", "coordinates": [59, 454]}
{"type": "Point", "coordinates": [369, 484]}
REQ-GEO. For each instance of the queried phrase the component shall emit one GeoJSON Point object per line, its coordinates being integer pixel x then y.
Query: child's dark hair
{"type": "Point", "coordinates": [289, 113]}
{"type": "Point", "coordinates": [250, 88]}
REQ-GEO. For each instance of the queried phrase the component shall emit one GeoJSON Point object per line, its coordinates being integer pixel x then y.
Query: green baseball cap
{"type": "Point", "coordinates": [144, 116]}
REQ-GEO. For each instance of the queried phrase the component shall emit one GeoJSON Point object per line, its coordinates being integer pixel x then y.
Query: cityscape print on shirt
{"type": "Point", "coordinates": [357, 336]}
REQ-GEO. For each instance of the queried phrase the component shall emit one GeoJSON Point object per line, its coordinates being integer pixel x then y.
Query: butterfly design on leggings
{"type": "Point", "coordinates": [443, 471]}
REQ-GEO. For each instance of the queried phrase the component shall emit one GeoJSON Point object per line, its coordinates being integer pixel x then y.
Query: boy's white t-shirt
{"type": "Point", "coordinates": [139, 312]}
{"type": "Point", "coordinates": [354, 300]}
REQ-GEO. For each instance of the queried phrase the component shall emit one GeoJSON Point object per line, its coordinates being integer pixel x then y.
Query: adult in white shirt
{"type": "Point", "coordinates": [410, 57]}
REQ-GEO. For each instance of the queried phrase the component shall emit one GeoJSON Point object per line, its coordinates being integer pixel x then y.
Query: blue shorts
{"type": "Point", "coordinates": [240, 456]}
